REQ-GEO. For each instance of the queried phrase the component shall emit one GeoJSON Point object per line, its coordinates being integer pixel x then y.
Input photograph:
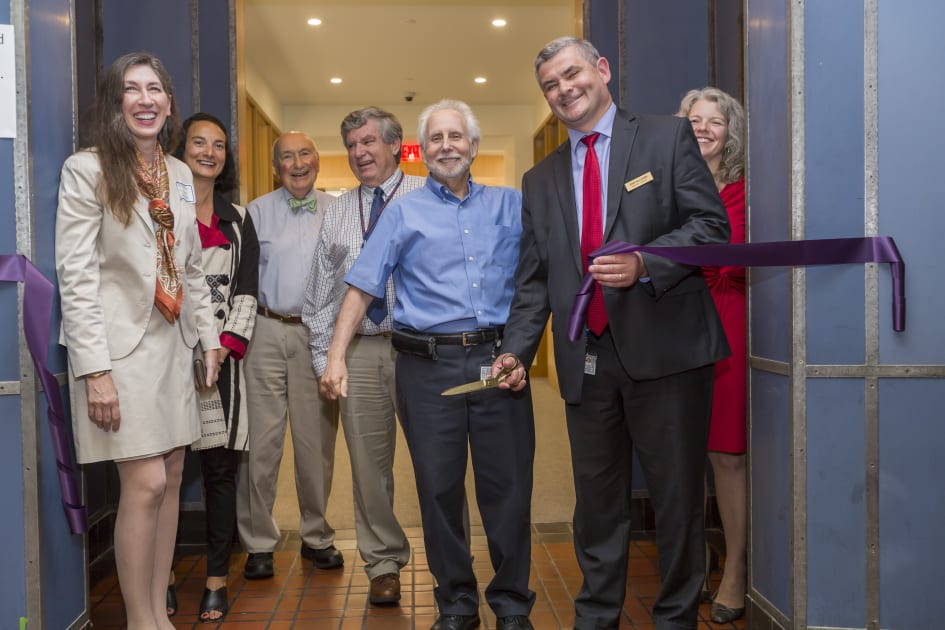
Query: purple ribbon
{"type": "Point", "coordinates": [37, 313]}
{"type": "Point", "coordinates": [828, 251]}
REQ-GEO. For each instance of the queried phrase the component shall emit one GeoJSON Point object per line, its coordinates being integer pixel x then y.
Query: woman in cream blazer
{"type": "Point", "coordinates": [134, 305]}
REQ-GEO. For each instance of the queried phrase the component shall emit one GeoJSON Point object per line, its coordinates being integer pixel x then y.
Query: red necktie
{"type": "Point", "coordinates": [592, 230]}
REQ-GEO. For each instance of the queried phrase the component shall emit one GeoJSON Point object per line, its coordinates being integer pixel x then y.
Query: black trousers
{"type": "Point", "coordinates": [499, 429]}
{"type": "Point", "coordinates": [219, 466]}
{"type": "Point", "coordinates": [666, 421]}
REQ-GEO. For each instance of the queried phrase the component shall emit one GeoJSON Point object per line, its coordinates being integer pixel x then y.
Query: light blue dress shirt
{"type": "Point", "coordinates": [453, 260]}
{"type": "Point", "coordinates": [287, 243]}
{"type": "Point", "coordinates": [604, 126]}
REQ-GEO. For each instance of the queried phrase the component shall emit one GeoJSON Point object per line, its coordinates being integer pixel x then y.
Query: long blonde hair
{"type": "Point", "coordinates": [732, 164]}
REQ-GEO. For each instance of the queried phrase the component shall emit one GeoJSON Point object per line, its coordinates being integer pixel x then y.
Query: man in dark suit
{"type": "Point", "coordinates": [641, 376]}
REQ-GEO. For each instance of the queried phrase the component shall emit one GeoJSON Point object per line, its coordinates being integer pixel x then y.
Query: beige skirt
{"type": "Point", "coordinates": [156, 398]}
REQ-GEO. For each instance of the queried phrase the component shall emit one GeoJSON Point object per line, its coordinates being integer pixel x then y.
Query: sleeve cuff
{"type": "Point", "coordinates": [236, 346]}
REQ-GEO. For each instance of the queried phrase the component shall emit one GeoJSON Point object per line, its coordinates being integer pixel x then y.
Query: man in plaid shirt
{"type": "Point", "coordinates": [373, 139]}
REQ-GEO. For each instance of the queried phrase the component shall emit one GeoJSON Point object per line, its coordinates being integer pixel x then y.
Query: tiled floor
{"type": "Point", "coordinates": [303, 598]}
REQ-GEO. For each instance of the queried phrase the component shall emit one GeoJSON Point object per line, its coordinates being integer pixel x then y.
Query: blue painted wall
{"type": "Point", "coordinates": [834, 177]}
{"type": "Point", "coordinates": [911, 81]}
{"type": "Point", "coordinates": [600, 29]}
{"type": "Point", "coordinates": [769, 166]}
{"type": "Point", "coordinates": [768, 91]}
{"type": "Point", "coordinates": [912, 435]}
{"type": "Point", "coordinates": [667, 53]}
{"type": "Point", "coordinates": [729, 46]}
{"type": "Point", "coordinates": [834, 165]}
{"type": "Point", "coordinates": [772, 511]}
{"type": "Point", "coordinates": [52, 111]}
{"type": "Point", "coordinates": [13, 579]}
{"type": "Point", "coordinates": [215, 88]}
{"type": "Point", "coordinates": [911, 502]}
{"type": "Point", "coordinates": [162, 28]}
{"type": "Point", "coordinates": [836, 512]}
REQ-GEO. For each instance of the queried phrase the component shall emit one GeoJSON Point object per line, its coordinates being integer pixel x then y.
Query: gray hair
{"type": "Point", "coordinates": [472, 125]}
{"type": "Point", "coordinates": [732, 164]}
{"type": "Point", "coordinates": [390, 128]}
{"type": "Point", "coordinates": [552, 48]}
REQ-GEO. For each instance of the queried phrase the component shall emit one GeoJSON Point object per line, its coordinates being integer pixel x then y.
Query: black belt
{"type": "Point", "coordinates": [424, 344]}
{"type": "Point", "coordinates": [286, 319]}
{"type": "Point", "coordinates": [471, 338]}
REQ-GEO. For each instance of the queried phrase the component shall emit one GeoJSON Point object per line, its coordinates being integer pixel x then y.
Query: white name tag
{"type": "Point", "coordinates": [590, 364]}
{"type": "Point", "coordinates": [485, 371]}
{"type": "Point", "coordinates": [186, 192]}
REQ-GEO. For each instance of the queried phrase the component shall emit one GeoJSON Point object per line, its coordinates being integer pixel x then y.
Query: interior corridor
{"type": "Point", "coordinates": [304, 598]}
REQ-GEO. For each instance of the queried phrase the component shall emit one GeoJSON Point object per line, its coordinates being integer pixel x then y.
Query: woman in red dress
{"type": "Point", "coordinates": [718, 121]}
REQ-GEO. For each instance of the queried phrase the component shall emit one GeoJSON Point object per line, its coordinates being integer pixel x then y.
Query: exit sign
{"type": "Point", "coordinates": [410, 152]}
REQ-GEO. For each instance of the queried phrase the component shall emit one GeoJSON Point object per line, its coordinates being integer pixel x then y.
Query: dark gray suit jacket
{"type": "Point", "coordinates": [664, 327]}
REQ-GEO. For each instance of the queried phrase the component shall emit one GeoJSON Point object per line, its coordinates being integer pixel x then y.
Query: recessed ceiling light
{"type": "Point", "coordinates": [499, 22]}
{"type": "Point", "coordinates": [480, 79]}
{"type": "Point", "coordinates": [314, 22]}
{"type": "Point", "coordinates": [335, 80]}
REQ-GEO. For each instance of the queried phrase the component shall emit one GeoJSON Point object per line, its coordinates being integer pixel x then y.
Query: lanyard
{"type": "Point", "coordinates": [366, 230]}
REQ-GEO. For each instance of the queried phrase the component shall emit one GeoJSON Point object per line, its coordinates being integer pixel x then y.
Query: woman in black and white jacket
{"type": "Point", "coordinates": [231, 263]}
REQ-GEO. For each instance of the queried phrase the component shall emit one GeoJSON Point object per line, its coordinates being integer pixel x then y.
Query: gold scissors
{"type": "Point", "coordinates": [486, 383]}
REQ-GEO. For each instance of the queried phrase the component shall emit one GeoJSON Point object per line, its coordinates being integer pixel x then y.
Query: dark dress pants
{"type": "Point", "coordinates": [666, 421]}
{"type": "Point", "coordinates": [219, 467]}
{"type": "Point", "coordinates": [500, 432]}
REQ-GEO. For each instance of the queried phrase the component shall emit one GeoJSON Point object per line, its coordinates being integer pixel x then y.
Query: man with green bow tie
{"type": "Point", "coordinates": [280, 382]}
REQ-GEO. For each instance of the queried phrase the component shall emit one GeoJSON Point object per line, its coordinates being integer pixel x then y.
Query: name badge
{"type": "Point", "coordinates": [590, 364]}
{"type": "Point", "coordinates": [636, 182]}
{"type": "Point", "coordinates": [186, 192]}
{"type": "Point", "coordinates": [485, 371]}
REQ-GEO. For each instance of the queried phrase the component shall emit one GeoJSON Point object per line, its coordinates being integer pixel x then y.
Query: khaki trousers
{"type": "Point", "coordinates": [281, 387]}
{"type": "Point", "coordinates": [370, 429]}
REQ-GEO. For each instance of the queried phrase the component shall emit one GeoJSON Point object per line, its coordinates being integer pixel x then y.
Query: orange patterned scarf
{"type": "Point", "coordinates": [153, 183]}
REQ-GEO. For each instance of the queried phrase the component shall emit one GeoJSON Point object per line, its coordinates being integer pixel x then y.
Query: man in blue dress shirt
{"type": "Point", "coordinates": [452, 248]}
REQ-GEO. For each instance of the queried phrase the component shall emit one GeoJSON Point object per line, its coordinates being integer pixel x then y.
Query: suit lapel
{"type": "Point", "coordinates": [564, 186]}
{"type": "Point", "coordinates": [621, 142]}
{"type": "Point", "coordinates": [141, 208]}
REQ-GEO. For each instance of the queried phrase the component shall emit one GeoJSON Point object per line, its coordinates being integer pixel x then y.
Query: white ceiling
{"type": "Point", "coordinates": [383, 49]}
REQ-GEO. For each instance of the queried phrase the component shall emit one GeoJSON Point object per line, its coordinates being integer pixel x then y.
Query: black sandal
{"type": "Point", "coordinates": [171, 600]}
{"type": "Point", "coordinates": [213, 601]}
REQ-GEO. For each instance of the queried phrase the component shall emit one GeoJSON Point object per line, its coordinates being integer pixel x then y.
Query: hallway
{"type": "Point", "coordinates": [304, 598]}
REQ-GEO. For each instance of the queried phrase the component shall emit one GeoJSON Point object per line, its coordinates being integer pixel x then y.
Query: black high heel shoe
{"type": "Point", "coordinates": [171, 600]}
{"type": "Point", "coordinates": [723, 614]}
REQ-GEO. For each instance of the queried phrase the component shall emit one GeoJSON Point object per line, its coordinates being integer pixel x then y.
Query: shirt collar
{"type": "Point", "coordinates": [604, 126]}
{"type": "Point", "coordinates": [387, 186]}
{"type": "Point", "coordinates": [444, 193]}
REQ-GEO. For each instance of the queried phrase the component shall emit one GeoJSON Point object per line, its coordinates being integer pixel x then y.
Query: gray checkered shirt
{"type": "Point", "coordinates": [339, 244]}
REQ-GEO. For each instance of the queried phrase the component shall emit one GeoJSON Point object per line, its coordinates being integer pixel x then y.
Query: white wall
{"type": "Point", "coordinates": [259, 90]}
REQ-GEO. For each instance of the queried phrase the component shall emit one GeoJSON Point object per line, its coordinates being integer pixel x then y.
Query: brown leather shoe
{"type": "Point", "coordinates": [385, 589]}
